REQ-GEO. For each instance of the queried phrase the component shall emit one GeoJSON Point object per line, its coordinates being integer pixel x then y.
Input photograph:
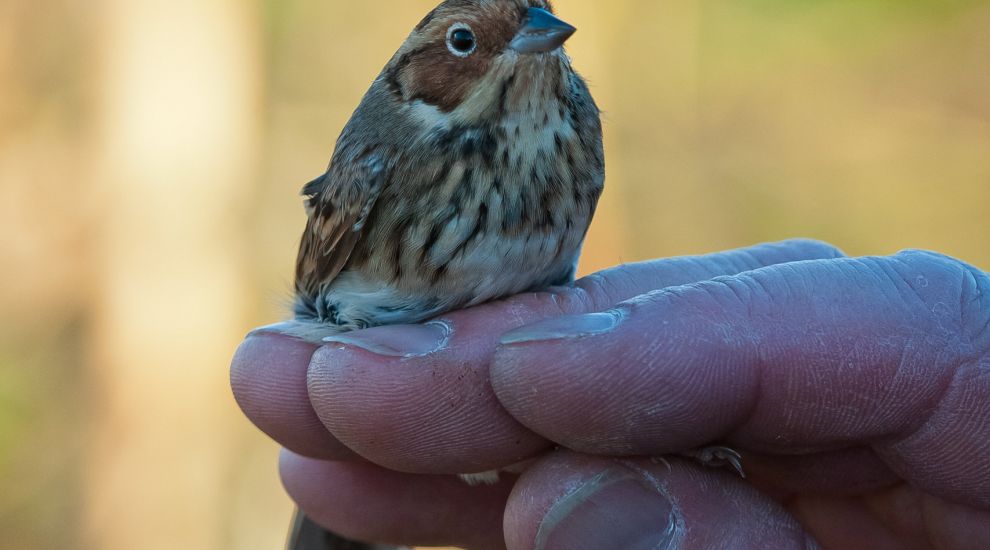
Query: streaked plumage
{"type": "Point", "coordinates": [469, 172]}
{"type": "Point", "coordinates": [458, 179]}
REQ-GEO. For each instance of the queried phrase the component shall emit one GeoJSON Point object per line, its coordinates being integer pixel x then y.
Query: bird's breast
{"type": "Point", "coordinates": [477, 212]}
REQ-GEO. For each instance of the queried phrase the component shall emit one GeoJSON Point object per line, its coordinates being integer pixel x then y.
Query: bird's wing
{"type": "Point", "coordinates": [338, 204]}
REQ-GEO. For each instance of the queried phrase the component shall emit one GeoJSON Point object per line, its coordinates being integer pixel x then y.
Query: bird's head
{"type": "Point", "coordinates": [469, 59]}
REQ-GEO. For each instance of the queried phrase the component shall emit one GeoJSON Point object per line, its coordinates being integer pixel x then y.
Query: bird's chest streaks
{"type": "Point", "coordinates": [503, 215]}
{"type": "Point", "coordinates": [473, 211]}
{"type": "Point", "coordinates": [505, 187]}
{"type": "Point", "coordinates": [469, 171]}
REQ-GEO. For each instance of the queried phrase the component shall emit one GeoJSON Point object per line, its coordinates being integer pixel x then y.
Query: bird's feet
{"type": "Point", "coordinates": [490, 477]}
{"type": "Point", "coordinates": [715, 457]}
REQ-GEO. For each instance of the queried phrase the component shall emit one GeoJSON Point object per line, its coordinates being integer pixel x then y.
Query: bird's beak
{"type": "Point", "coordinates": [541, 32]}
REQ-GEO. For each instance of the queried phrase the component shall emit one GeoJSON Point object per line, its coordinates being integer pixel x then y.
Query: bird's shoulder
{"type": "Point", "coordinates": [338, 205]}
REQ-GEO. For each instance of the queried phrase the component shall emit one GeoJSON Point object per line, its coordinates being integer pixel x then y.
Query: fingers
{"type": "Point", "coordinates": [418, 398]}
{"type": "Point", "coordinates": [268, 377]}
{"type": "Point", "coordinates": [888, 353]}
{"type": "Point", "coordinates": [367, 503]}
{"type": "Point", "coordinates": [606, 288]}
{"type": "Point", "coordinates": [574, 502]}
{"type": "Point", "coordinates": [901, 517]}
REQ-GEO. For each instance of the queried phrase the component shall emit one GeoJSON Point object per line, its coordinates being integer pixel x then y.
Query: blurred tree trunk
{"type": "Point", "coordinates": [178, 141]}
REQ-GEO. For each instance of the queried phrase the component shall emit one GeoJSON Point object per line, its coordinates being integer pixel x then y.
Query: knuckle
{"type": "Point", "coordinates": [598, 290]}
{"type": "Point", "coordinates": [953, 289]}
{"type": "Point", "coordinates": [975, 308]}
{"type": "Point", "coordinates": [570, 300]}
{"type": "Point", "coordinates": [782, 252]}
{"type": "Point", "coordinates": [745, 296]}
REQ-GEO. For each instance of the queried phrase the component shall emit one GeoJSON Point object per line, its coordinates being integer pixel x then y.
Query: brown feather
{"type": "Point", "coordinates": [485, 170]}
{"type": "Point", "coordinates": [338, 205]}
{"type": "Point", "coordinates": [457, 180]}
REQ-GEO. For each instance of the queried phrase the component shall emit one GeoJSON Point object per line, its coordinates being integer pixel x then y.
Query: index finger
{"type": "Point", "coordinates": [888, 353]}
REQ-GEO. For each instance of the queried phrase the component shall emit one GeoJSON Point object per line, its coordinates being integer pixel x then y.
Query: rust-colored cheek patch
{"type": "Point", "coordinates": [437, 77]}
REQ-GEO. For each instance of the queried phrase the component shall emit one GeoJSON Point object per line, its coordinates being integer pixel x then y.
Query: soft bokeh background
{"type": "Point", "coordinates": [150, 157]}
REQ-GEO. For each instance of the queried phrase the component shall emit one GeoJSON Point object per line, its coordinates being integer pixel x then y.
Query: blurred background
{"type": "Point", "coordinates": [151, 154]}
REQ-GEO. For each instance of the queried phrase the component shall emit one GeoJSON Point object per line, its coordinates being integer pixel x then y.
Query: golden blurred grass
{"type": "Point", "coordinates": [150, 155]}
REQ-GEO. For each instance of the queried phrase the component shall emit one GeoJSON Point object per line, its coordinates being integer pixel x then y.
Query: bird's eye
{"type": "Point", "coordinates": [461, 41]}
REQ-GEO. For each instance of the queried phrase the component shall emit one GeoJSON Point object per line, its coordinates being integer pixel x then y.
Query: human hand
{"type": "Point", "coordinates": [856, 390]}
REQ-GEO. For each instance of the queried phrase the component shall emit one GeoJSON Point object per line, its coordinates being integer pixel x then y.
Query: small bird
{"type": "Point", "coordinates": [469, 172]}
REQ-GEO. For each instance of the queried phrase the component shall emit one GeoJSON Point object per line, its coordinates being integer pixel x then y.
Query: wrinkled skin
{"type": "Point", "coordinates": [856, 390]}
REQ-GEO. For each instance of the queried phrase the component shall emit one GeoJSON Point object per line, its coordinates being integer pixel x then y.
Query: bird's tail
{"type": "Point", "coordinates": [306, 535]}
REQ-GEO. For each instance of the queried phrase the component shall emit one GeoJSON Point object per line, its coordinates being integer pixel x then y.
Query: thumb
{"type": "Point", "coordinates": [575, 502]}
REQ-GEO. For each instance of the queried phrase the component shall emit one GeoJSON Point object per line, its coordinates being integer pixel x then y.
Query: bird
{"type": "Point", "coordinates": [470, 171]}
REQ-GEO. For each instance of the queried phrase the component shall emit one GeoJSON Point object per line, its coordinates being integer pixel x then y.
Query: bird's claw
{"type": "Point", "coordinates": [718, 457]}
{"type": "Point", "coordinates": [490, 477]}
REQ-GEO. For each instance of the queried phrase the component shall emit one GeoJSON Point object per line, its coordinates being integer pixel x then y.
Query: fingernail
{"type": "Point", "coordinates": [397, 340]}
{"type": "Point", "coordinates": [291, 329]}
{"type": "Point", "coordinates": [572, 326]}
{"type": "Point", "coordinates": [615, 509]}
